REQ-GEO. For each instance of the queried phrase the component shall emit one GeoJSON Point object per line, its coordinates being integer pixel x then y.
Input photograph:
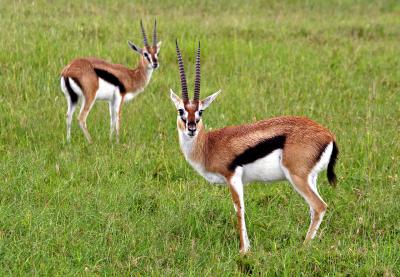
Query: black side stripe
{"type": "Point", "coordinates": [111, 78]}
{"type": "Point", "coordinates": [258, 151]}
{"type": "Point", "coordinates": [72, 94]}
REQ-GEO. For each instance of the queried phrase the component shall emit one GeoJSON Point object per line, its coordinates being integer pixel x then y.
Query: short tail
{"type": "Point", "coordinates": [72, 94]}
{"type": "Point", "coordinates": [331, 165]}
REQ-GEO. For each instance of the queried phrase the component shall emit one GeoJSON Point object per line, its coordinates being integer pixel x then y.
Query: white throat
{"type": "Point", "coordinates": [148, 73]}
{"type": "Point", "coordinates": [187, 146]}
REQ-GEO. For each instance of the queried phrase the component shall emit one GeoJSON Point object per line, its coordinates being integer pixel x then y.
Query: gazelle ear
{"type": "Point", "coordinates": [158, 46]}
{"type": "Point", "coordinates": [135, 48]}
{"type": "Point", "coordinates": [175, 99]}
{"type": "Point", "coordinates": [207, 101]}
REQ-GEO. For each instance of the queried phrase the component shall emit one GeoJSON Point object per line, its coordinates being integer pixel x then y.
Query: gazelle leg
{"type": "Point", "coordinates": [117, 112]}
{"type": "Point", "coordinates": [317, 213]}
{"type": "Point", "coordinates": [306, 188]}
{"type": "Point", "coordinates": [112, 118]}
{"type": "Point", "coordinates": [236, 188]}
{"type": "Point", "coordinates": [85, 109]}
{"type": "Point", "coordinates": [70, 113]}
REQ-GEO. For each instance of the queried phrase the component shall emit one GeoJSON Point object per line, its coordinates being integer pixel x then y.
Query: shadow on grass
{"type": "Point", "coordinates": [245, 264]}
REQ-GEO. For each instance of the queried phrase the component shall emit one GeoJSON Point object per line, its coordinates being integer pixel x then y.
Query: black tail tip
{"type": "Point", "coordinates": [332, 179]}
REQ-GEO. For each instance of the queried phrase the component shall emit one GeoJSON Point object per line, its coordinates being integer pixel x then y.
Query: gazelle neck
{"type": "Point", "coordinates": [195, 152]}
{"type": "Point", "coordinates": [193, 147]}
{"type": "Point", "coordinates": [145, 69]}
{"type": "Point", "coordinates": [142, 73]}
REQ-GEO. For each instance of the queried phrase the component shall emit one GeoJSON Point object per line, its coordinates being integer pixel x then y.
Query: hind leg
{"type": "Point", "coordinates": [315, 217]}
{"type": "Point", "coordinates": [87, 104]}
{"type": "Point", "coordinates": [70, 113]}
{"type": "Point", "coordinates": [306, 187]}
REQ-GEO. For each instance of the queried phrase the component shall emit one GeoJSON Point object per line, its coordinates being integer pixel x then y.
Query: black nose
{"type": "Point", "coordinates": [155, 65]}
{"type": "Point", "coordinates": [192, 127]}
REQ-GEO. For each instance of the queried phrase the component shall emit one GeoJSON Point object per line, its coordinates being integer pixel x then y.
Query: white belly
{"type": "Point", "coordinates": [106, 91]}
{"type": "Point", "coordinates": [266, 169]}
{"type": "Point", "coordinates": [130, 95]}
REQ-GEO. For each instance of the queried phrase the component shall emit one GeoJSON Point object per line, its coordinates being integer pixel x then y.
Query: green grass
{"type": "Point", "coordinates": [138, 207]}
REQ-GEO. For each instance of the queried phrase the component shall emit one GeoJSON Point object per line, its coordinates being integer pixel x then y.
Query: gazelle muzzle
{"type": "Point", "coordinates": [191, 127]}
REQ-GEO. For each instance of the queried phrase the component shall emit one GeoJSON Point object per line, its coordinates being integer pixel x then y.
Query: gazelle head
{"type": "Point", "coordinates": [190, 111]}
{"type": "Point", "coordinates": [149, 54]}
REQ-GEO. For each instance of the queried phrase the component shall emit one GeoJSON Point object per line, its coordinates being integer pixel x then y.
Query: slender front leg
{"type": "Point", "coordinates": [236, 188]}
{"type": "Point", "coordinates": [117, 110]}
{"type": "Point", "coordinates": [112, 118]}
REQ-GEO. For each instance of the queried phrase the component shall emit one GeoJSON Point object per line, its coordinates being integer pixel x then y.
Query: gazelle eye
{"type": "Point", "coordinates": [181, 112]}
{"type": "Point", "coordinates": [146, 55]}
{"type": "Point", "coordinates": [200, 112]}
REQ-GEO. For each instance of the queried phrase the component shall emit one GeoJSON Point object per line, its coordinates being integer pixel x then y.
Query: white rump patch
{"type": "Point", "coordinates": [324, 160]}
{"type": "Point", "coordinates": [75, 87]}
{"type": "Point", "coordinates": [321, 165]}
{"type": "Point", "coordinates": [63, 87]}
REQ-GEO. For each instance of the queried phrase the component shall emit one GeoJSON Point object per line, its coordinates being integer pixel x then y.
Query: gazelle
{"type": "Point", "coordinates": [94, 79]}
{"type": "Point", "coordinates": [282, 148]}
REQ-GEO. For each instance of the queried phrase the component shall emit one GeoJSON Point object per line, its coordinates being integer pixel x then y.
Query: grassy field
{"type": "Point", "coordinates": [137, 207]}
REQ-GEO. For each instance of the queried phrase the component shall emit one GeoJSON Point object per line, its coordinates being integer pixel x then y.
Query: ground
{"type": "Point", "coordinates": [138, 207]}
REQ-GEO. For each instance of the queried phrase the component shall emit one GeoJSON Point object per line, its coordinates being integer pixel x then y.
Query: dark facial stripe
{"type": "Point", "coordinates": [72, 95]}
{"type": "Point", "coordinates": [111, 78]}
{"type": "Point", "coordinates": [258, 151]}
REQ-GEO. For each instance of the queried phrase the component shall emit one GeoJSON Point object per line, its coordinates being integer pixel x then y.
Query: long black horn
{"type": "Point", "coordinates": [185, 95]}
{"type": "Point", "coordinates": [155, 33]}
{"type": "Point", "coordinates": [146, 43]}
{"type": "Point", "coordinates": [197, 79]}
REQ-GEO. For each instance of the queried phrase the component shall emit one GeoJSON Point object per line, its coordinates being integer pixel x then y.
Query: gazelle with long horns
{"type": "Point", "coordinates": [94, 79]}
{"type": "Point", "coordinates": [282, 148]}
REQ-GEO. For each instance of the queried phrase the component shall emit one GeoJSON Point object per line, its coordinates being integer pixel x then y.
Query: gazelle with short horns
{"type": "Point", "coordinates": [94, 79]}
{"type": "Point", "coordinates": [282, 148]}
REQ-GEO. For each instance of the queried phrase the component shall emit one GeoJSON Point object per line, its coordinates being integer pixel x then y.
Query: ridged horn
{"type": "Point", "coordinates": [155, 33]}
{"type": "Point", "coordinates": [146, 43]}
{"type": "Point", "coordinates": [198, 77]}
{"type": "Point", "coordinates": [185, 96]}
